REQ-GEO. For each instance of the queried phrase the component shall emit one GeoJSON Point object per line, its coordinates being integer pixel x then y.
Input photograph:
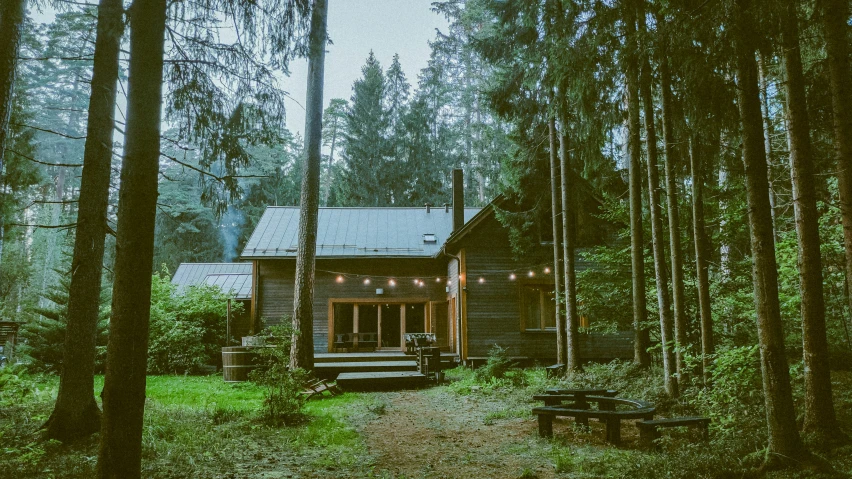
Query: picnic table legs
{"type": "Point", "coordinates": [545, 425]}
{"type": "Point", "coordinates": [613, 430]}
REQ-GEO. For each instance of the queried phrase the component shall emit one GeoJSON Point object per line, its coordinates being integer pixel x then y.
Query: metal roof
{"type": "Point", "coordinates": [238, 285]}
{"type": "Point", "coordinates": [355, 232]}
{"type": "Point", "coordinates": [232, 278]}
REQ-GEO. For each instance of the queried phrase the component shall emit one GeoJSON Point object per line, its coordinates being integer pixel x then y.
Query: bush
{"type": "Point", "coordinates": [735, 400]}
{"type": "Point", "coordinates": [497, 365]}
{"type": "Point", "coordinates": [187, 330]}
{"type": "Point", "coordinates": [283, 401]}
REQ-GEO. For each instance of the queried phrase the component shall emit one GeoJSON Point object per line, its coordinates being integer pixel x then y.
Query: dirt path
{"type": "Point", "coordinates": [437, 434]}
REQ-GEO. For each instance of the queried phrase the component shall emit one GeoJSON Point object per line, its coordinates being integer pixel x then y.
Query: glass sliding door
{"type": "Point", "coordinates": [391, 326]}
{"type": "Point", "coordinates": [356, 326]}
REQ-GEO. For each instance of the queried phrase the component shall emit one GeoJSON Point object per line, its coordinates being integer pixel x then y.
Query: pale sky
{"type": "Point", "coordinates": [357, 26]}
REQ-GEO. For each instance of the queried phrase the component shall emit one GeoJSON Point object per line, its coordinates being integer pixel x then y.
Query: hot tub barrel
{"type": "Point", "coordinates": [238, 362]}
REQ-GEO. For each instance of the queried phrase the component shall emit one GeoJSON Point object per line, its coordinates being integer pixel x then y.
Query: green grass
{"type": "Point", "coordinates": [195, 426]}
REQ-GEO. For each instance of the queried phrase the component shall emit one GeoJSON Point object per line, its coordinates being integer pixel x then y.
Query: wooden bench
{"type": "Point", "coordinates": [649, 428]}
{"type": "Point", "coordinates": [606, 412]}
{"type": "Point", "coordinates": [356, 341]}
{"type": "Point", "coordinates": [560, 399]}
{"type": "Point", "coordinates": [554, 370]}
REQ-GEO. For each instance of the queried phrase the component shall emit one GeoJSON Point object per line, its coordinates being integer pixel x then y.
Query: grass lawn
{"type": "Point", "coordinates": [194, 427]}
{"type": "Point", "coordinates": [201, 427]}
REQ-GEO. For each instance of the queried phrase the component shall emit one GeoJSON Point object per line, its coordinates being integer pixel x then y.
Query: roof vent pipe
{"type": "Point", "coordinates": [458, 199]}
{"type": "Point", "coordinates": [428, 207]}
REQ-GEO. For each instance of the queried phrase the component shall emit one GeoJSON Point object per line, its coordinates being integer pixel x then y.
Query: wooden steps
{"type": "Point", "coordinates": [333, 369]}
{"type": "Point", "coordinates": [380, 381]}
{"type": "Point", "coordinates": [331, 365]}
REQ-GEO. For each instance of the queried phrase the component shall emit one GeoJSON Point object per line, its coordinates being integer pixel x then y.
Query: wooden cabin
{"type": "Point", "coordinates": [385, 272]}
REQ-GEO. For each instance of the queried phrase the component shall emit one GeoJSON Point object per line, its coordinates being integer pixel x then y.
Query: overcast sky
{"type": "Point", "coordinates": [356, 27]}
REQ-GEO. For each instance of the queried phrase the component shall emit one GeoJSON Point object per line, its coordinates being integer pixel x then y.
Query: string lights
{"type": "Point", "coordinates": [418, 281]}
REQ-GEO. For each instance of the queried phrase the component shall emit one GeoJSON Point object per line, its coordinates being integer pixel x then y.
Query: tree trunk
{"type": "Point", "coordinates": [302, 350]}
{"type": "Point", "coordinates": [12, 14]}
{"type": "Point", "coordinates": [657, 235]}
{"type": "Point", "coordinates": [76, 413]}
{"type": "Point", "coordinates": [556, 207]}
{"type": "Point", "coordinates": [120, 451]}
{"type": "Point", "coordinates": [634, 151]}
{"type": "Point", "coordinates": [820, 419]}
{"type": "Point", "coordinates": [784, 440]}
{"type": "Point", "coordinates": [835, 13]}
{"type": "Point", "coordinates": [569, 236]}
{"type": "Point", "coordinates": [702, 254]}
{"type": "Point", "coordinates": [767, 132]}
{"type": "Point", "coordinates": [679, 297]}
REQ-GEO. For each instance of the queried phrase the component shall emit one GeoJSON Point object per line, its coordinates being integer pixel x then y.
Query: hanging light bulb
{"type": "Point", "coordinates": [481, 280]}
{"type": "Point", "coordinates": [391, 282]}
{"type": "Point", "coordinates": [340, 278]}
{"type": "Point", "coordinates": [437, 280]}
{"type": "Point", "coordinates": [512, 276]}
{"type": "Point", "coordinates": [547, 270]}
{"type": "Point", "coordinates": [366, 280]}
{"type": "Point", "coordinates": [531, 274]}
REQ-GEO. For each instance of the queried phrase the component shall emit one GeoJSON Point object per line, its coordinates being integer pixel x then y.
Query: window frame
{"type": "Point", "coordinates": [544, 288]}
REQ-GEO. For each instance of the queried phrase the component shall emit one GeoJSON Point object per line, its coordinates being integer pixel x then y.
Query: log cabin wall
{"type": "Point", "coordinates": [493, 313]}
{"type": "Point", "coordinates": [276, 280]}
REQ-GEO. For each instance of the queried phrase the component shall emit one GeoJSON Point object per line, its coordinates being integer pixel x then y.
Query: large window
{"type": "Point", "coordinates": [538, 307]}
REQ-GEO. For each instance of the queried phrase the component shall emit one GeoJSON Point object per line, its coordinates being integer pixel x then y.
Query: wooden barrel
{"type": "Point", "coordinates": [238, 362]}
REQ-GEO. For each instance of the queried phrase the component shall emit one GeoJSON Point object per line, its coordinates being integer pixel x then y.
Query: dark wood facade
{"type": "Point", "coordinates": [473, 292]}
{"type": "Point", "coordinates": [343, 280]}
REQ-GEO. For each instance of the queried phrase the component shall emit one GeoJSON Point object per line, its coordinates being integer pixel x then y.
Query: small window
{"type": "Point", "coordinates": [538, 308]}
{"type": "Point", "coordinates": [430, 238]}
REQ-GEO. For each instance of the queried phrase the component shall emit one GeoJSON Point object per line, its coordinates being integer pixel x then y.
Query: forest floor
{"type": "Point", "coordinates": [199, 427]}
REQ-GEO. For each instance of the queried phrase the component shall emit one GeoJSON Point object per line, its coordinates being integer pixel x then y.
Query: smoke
{"type": "Point", "coordinates": [230, 228]}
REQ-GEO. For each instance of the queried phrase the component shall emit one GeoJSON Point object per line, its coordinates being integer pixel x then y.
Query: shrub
{"type": "Point", "coordinates": [497, 365]}
{"type": "Point", "coordinates": [187, 330]}
{"type": "Point", "coordinates": [283, 401]}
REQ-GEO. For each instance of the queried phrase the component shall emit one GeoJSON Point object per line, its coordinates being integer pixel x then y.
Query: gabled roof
{"type": "Point", "coordinates": [231, 278]}
{"type": "Point", "coordinates": [390, 232]}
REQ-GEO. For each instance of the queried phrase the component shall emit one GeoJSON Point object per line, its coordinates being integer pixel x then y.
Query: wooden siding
{"type": "Point", "coordinates": [493, 314]}
{"type": "Point", "coordinates": [276, 279]}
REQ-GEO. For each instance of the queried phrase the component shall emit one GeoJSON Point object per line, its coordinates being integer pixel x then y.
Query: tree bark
{"type": "Point", "coordinates": [120, 451]}
{"type": "Point", "coordinates": [784, 439]}
{"type": "Point", "coordinates": [678, 296]}
{"type": "Point", "coordinates": [835, 14]}
{"type": "Point", "coordinates": [556, 207]}
{"type": "Point", "coordinates": [634, 150]}
{"type": "Point", "coordinates": [820, 419]}
{"type": "Point", "coordinates": [76, 413]}
{"type": "Point", "coordinates": [702, 255]}
{"type": "Point", "coordinates": [569, 238]}
{"type": "Point", "coordinates": [767, 132]}
{"type": "Point", "coordinates": [12, 14]}
{"type": "Point", "coordinates": [657, 234]}
{"type": "Point", "coordinates": [302, 350]}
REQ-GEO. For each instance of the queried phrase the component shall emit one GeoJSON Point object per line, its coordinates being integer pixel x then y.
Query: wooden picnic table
{"type": "Point", "coordinates": [580, 395]}
{"type": "Point", "coordinates": [606, 413]}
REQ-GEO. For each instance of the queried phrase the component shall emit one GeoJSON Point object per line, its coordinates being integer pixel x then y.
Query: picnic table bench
{"type": "Point", "coordinates": [649, 429]}
{"type": "Point", "coordinates": [555, 397]}
{"type": "Point", "coordinates": [607, 412]}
